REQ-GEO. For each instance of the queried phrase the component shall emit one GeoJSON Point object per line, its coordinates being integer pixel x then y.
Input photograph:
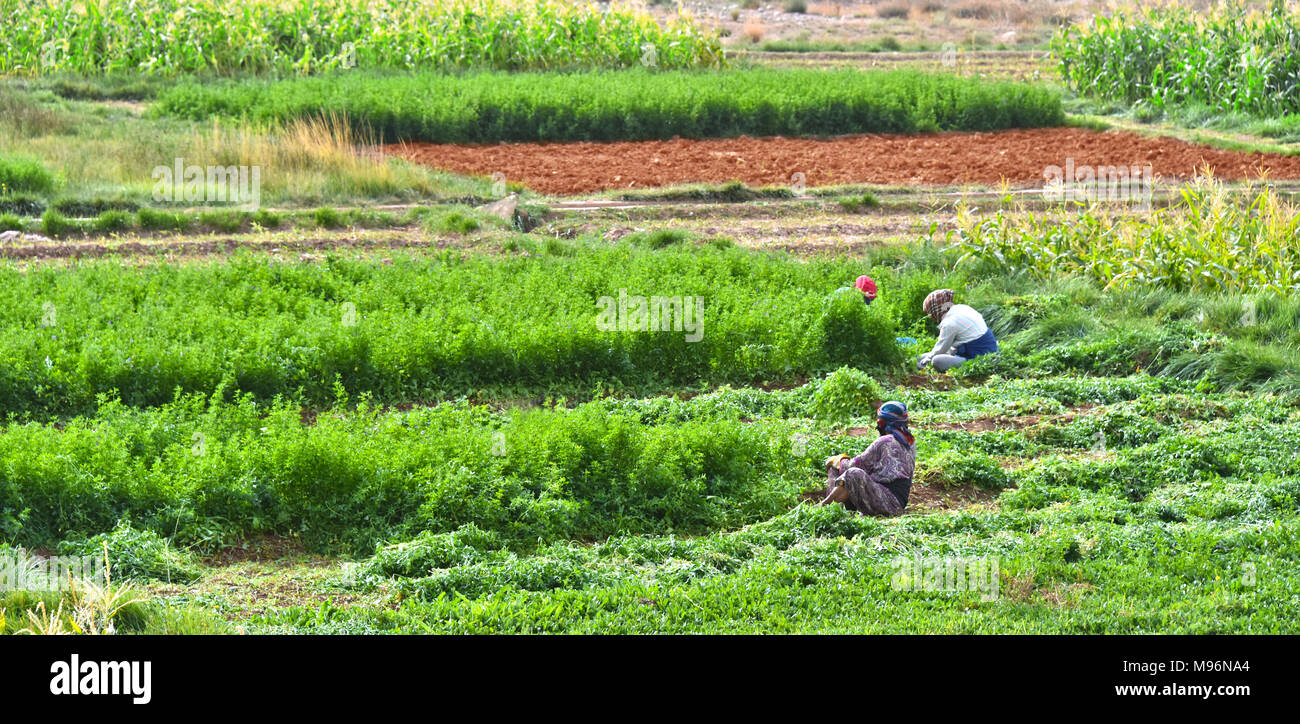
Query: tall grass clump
{"type": "Point", "coordinates": [1229, 59]}
{"type": "Point", "coordinates": [175, 37]}
{"type": "Point", "coordinates": [24, 175]}
{"type": "Point", "coordinates": [57, 225]}
{"type": "Point", "coordinates": [315, 158]}
{"type": "Point", "coordinates": [628, 105]}
{"type": "Point", "coordinates": [22, 116]}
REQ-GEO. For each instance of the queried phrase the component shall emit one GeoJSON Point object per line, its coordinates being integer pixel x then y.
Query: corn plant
{"type": "Point", "coordinates": [1231, 59]}
{"type": "Point", "coordinates": [1204, 242]}
{"type": "Point", "coordinates": [173, 37]}
{"type": "Point", "coordinates": [84, 607]}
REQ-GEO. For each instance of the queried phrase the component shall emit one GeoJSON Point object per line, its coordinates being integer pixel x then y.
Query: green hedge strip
{"type": "Point", "coordinates": [629, 105]}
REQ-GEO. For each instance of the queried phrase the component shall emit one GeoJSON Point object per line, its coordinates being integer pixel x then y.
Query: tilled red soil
{"type": "Point", "coordinates": [1019, 157]}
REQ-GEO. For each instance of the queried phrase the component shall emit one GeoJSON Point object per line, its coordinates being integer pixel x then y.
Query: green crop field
{"type": "Point", "coordinates": [170, 38]}
{"type": "Point", "coordinates": [1116, 418]}
{"type": "Point", "coordinates": [1233, 59]}
{"type": "Point", "coordinates": [629, 106]}
{"type": "Point", "coordinates": [274, 376]}
{"type": "Point", "coordinates": [1198, 243]}
{"type": "Point", "coordinates": [420, 328]}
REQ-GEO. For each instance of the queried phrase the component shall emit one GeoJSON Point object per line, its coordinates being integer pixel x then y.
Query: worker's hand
{"type": "Point", "coordinates": [923, 360]}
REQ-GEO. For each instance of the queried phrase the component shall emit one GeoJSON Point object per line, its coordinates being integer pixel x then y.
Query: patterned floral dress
{"type": "Point", "coordinates": [879, 480]}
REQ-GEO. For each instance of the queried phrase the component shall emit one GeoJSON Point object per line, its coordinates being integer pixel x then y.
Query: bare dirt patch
{"type": "Point", "coordinates": [962, 23]}
{"type": "Point", "coordinates": [939, 498]}
{"type": "Point", "coordinates": [1016, 157]}
{"type": "Point", "coordinates": [240, 590]}
{"type": "Point", "coordinates": [265, 548]}
{"type": "Point", "coordinates": [1015, 422]}
{"type": "Point", "coordinates": [989, 424]}
{"type": "Point", "coordinates": [924, 499]}
{"type": "Point", "coordinates": [179, 246]}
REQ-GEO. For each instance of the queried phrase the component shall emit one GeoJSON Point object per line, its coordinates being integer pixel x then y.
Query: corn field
{"type": "Point", "coordinates": [1231, 59]}
{"type": "Point", "coordinates": [173, 37]}
{"type": "Point", "coordinates": [1204, 242]}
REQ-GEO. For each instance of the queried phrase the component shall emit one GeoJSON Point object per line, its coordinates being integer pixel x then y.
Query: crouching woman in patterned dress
{"type": "Point", "coordinates": [878, 481]}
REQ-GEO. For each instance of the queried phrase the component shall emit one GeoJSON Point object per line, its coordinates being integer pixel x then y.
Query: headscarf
{"type": "Point", "coordinates": [891, 419]}
{"type": "Point", "coordinates": [867, 286]}
{"type": "Point", "coordinates": [937, 304]}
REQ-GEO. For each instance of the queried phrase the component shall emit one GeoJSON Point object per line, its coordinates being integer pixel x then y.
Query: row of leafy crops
{"type": "Point", "coordinates": [431, 327]}
{"type": "Point", "coordinates": [468, 563]}
{"type": "Point", "coordinates": [1203, 242]}
{"type": "Point", "coordinates": [531, 323]}
{"type": "Point", "coordinates": [555, 519]}
{"type": "Point", "coordinates": [1230, 59]}
{"type": "Point", "coordinates": [629, 105]}
{"type": "Point", "coordinates": [1172, 528]}
{"type": "Point", "coordinates": [174, 37]}
{"type": "Point", "coordinates": [204, 472]}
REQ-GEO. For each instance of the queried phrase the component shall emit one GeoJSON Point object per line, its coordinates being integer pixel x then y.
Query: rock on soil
{"type": "Point", "coordinates": [12, 236]}
{"type": "Point", "coordinates": [508, 209]}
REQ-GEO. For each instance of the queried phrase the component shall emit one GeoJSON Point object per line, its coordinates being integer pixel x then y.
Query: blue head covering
{"type": "Point", "coordinates": [891, 419]}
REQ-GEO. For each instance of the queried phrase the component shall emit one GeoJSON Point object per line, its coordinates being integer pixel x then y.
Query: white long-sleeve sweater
{"type": "Point", "coordinates": [960, 325]}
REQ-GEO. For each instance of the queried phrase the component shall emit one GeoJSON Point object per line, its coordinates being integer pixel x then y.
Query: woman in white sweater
{"type": "Point", "coordinates": [962, 332]}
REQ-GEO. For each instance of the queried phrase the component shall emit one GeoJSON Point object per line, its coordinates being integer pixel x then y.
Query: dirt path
{"type": "Point", "coordinates": [1017, 157]}
{"type": "Point", "coordinates": [171, 246]}
{"type": "Point", "coordinates": [934, 499]}
{"type": "Point", "coordinates": [924, 499]}
{"type": "Point", "coordinates": [989, 424]}
{"type": "Point", "coordinates": [1026, 65]}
